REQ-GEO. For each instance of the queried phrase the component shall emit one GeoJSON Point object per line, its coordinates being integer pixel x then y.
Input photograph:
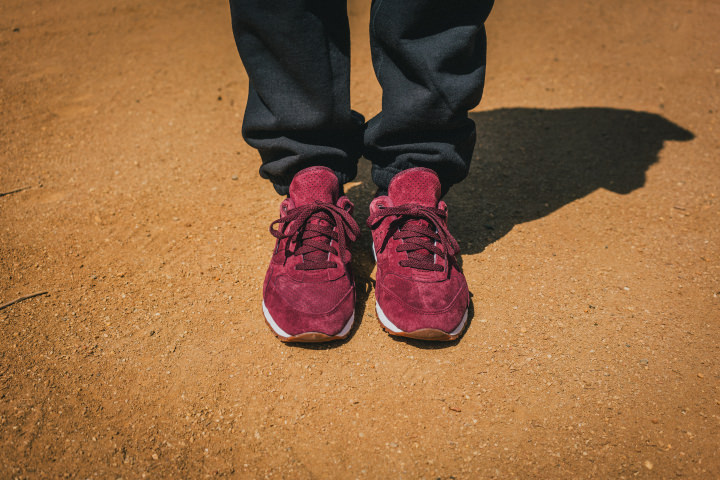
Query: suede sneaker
{"type": "Point", "coordinates": [309, 292]}
{"type": "Point", "coordinates": [420, 291]}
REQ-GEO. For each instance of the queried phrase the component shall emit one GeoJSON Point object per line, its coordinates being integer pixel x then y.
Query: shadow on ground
{"type": "Point", "coordinates": [530, 162]}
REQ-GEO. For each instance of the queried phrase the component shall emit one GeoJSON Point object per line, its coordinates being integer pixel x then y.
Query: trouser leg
{"type": "Point", "coordinates": [297, 57]}
{"type": "Point", "coordinates": [429, 57]}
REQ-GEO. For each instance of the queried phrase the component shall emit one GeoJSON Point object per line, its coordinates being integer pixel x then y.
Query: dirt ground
{"type": "Point", "coordinates": [589, 226]}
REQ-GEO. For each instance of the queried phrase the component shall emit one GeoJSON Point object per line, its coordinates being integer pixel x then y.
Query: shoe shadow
{"type": "Point", "coordinates": [530, 162]}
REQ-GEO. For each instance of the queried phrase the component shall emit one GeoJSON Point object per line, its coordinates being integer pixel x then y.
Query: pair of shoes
{"type": "Point", "coordinates": [309, 292]}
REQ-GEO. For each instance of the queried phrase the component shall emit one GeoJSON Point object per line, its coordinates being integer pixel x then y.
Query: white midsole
{"type": "Point", "coordinates": [393, 328]}
{"type": "Point", "coordinates": [276, 328]}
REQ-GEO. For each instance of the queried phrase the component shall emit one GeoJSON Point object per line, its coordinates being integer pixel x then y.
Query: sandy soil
{"type": "Point", "coordinates": [589, 226]}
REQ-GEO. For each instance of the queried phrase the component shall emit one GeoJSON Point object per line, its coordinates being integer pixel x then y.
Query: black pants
{"type": "Point", "coordinates": [428, 55]}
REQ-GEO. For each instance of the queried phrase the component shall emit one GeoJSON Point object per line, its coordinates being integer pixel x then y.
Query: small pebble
{"type": "Point", "coordinates": [234, 177]}
{"type": "Point", "coordinates": [648, 464]}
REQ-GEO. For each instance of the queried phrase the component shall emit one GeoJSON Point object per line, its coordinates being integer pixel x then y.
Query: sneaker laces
{"type": "Point", "coordinates": [313, 239]}
{"type": "Point", "coordinates": [419, 240]}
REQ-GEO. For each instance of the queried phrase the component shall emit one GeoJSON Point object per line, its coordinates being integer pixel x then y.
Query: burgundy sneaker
{"type": "Point", "coordinates": [420, 291]}
{"type": "Point", "coordinates": [309, 293]}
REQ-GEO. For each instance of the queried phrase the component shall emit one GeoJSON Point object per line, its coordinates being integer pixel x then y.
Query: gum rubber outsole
{"type": "Point", "coordinates": [309, 337]}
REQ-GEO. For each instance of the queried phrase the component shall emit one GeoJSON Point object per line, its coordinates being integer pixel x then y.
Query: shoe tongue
{"type": "Point", "coordinates": [416, 185]}
{"type": "Point", "coordinates": [314, 184]}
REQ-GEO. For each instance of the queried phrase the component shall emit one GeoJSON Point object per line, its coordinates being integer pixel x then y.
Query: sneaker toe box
{"type": "Point", "coordinates": [412, 305]}
{"type": "Point", "coordinates": [301, 307]}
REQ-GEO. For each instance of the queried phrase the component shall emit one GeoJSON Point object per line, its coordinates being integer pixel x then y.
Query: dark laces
{"type": "Point", "coordinates": [313, 238]}
{"type": "Point", "coordinates": [423, 231]}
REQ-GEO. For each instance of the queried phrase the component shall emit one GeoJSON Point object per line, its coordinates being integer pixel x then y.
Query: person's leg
{"type": "Point", "coordinates": [296, 54]}
{"type": "Point", "coordinates": [429, 57]}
